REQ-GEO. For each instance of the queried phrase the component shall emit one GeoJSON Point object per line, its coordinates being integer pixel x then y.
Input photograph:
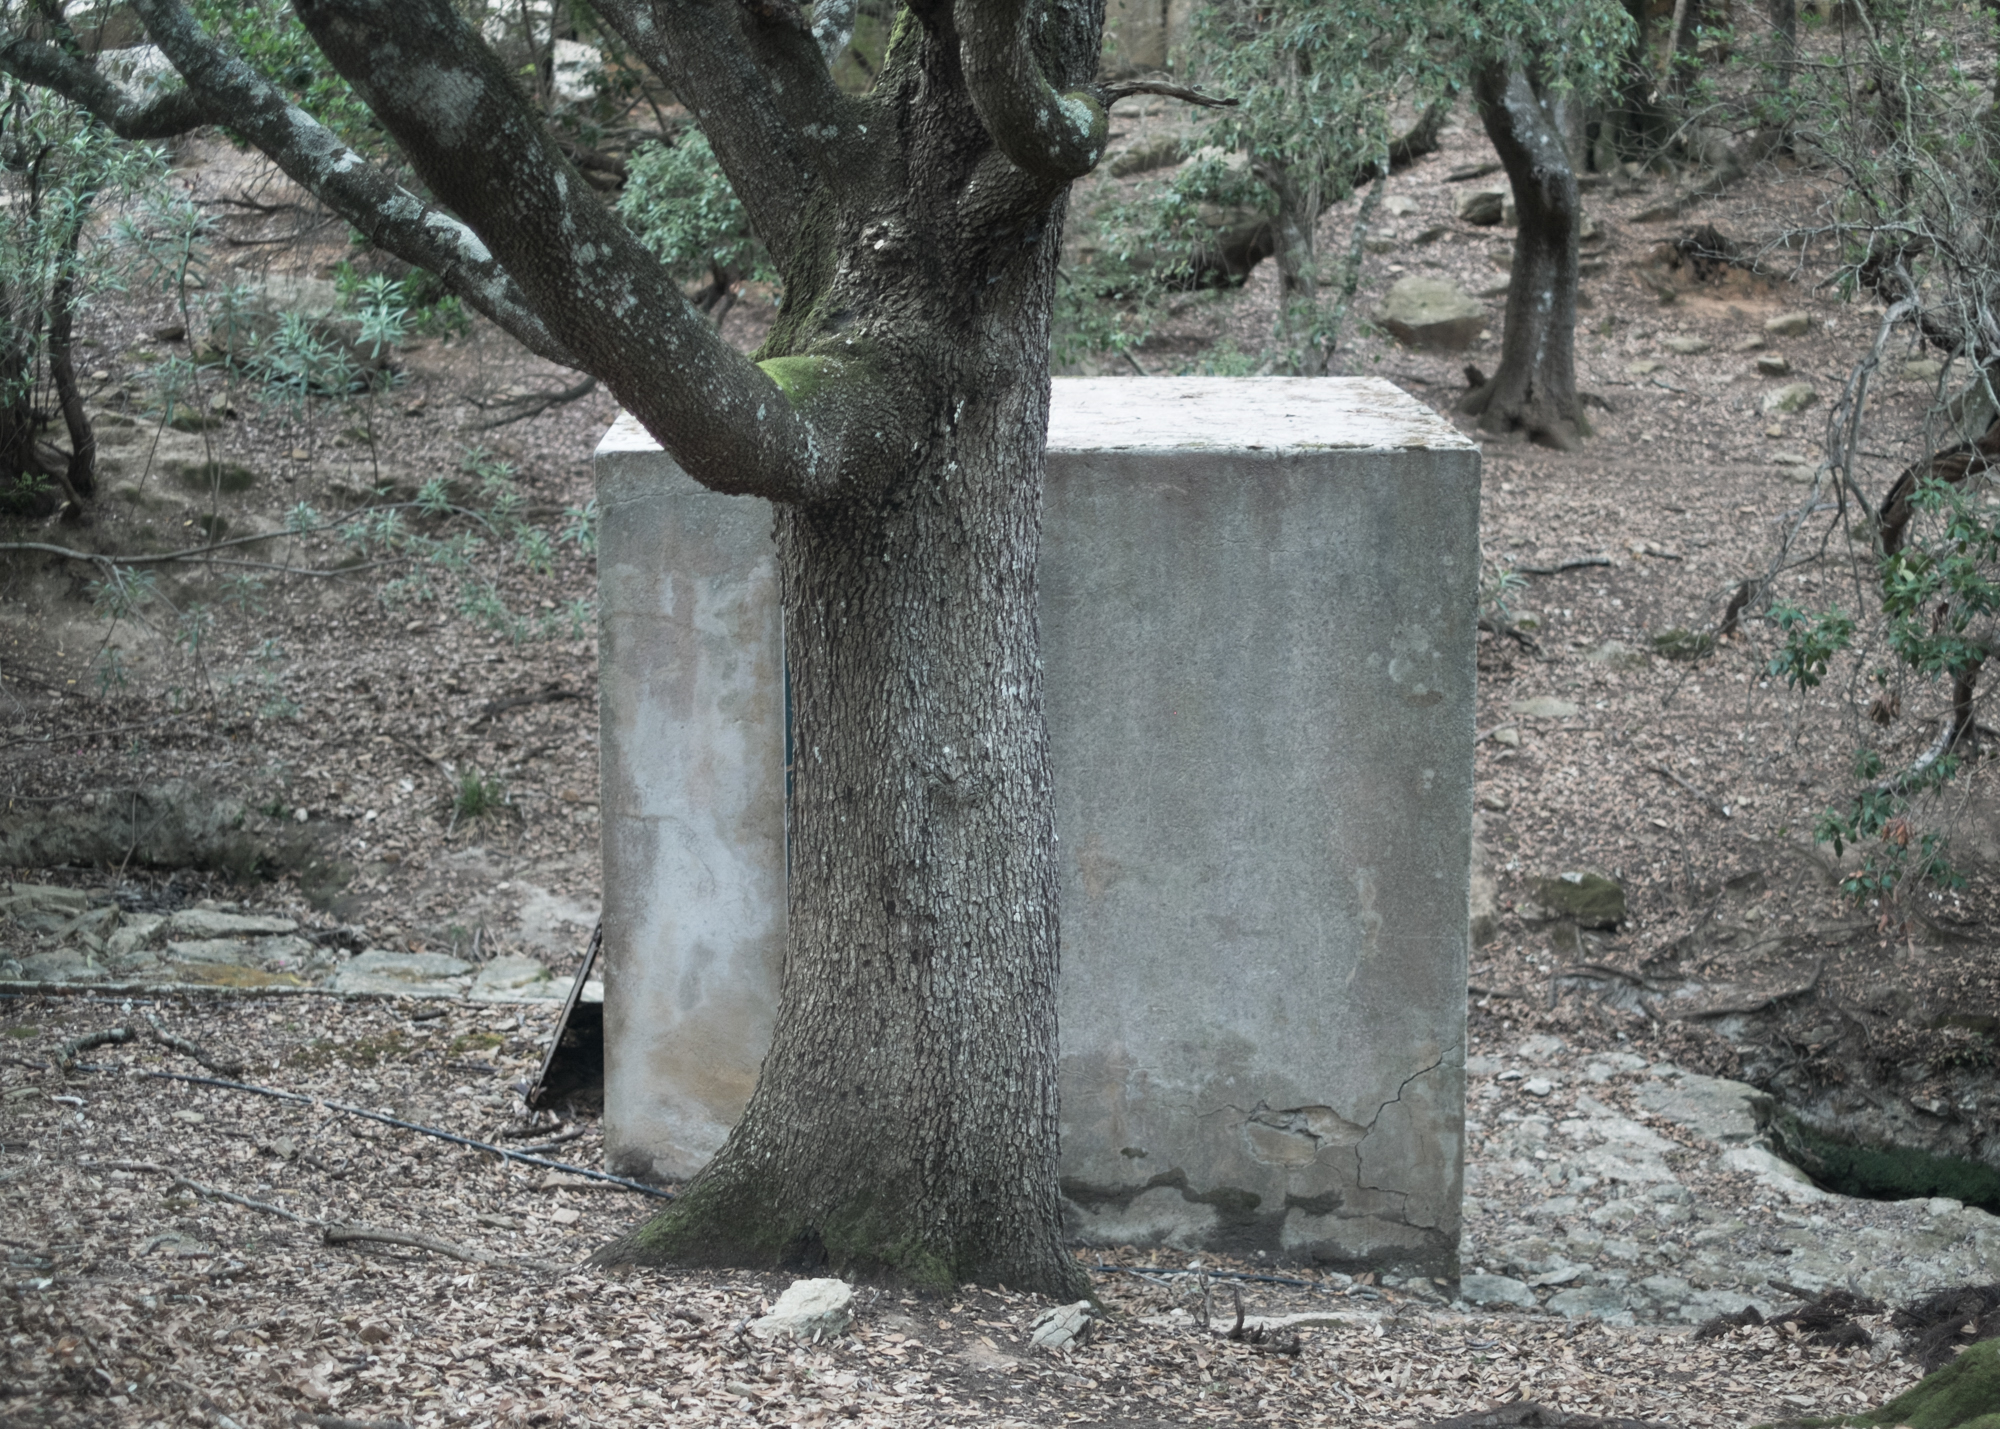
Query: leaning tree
{"type": "Point", "coordinates": [905, 1122]}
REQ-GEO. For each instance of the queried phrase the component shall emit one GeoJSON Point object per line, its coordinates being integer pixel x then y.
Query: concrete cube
{"type": "Point", "coordinates": [1258, 624]}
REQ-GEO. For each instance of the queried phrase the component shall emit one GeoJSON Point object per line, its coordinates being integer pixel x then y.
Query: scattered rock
{"type": "Point", "coordinates": [1591, 900]}
{"type": "Point", "coordinates": [1923, 369]}
{"type": "Point", "coordinates": [1685, 346]}
{"type": "Point", "coordinates": [1773, 364]}
{"type": "Point", "coordinates": [1753, 343]}
{"type": "Point", "coordinates": [1790, 458]}
{"type": "Point", "coordinates": [208, 923]}
{"type": "Point", "coordinates": [1430, 313]}
{"type": "Point", "coordinates": [1644, 368]}
{"type": "Point", "coordinates": [1792, 324]}
{"type": "Point", "coordinates": [515, 978]}
{"type": "Point", "coordinates": [1061, 1327]}
{"type": "Point", "coordinates": [1616, 655]}
{"type": "Point", "coordinates": [1482, 207]}
{"type": "Point", "coordinates": [1398, 205]}
{"type": "Point", "coordinates": [1542, 707]}
{"type": "Point", "coordinates": [1792, 397]}
{"type": "Point", "coordinates": [403, 974]}
{"type": "Point", "coordinates": [1495, 1290]}
{"type": "Point", "coordinates": [1508, 736]}
{"type": "Point", "coordinates": [1593, 1302]}
{"type": "Point", "coordinates": [809, 1310]}
{"type": "Point", "coordinates": [1711, 1107]}
{"type": "Point", "coordinates": [1498, 800]}
{"type": "Point", "coordinates": [1537, 1086]}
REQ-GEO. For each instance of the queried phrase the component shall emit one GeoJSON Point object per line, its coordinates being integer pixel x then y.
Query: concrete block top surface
{"type": "Point", "coordinates": [1243, 414]}
{"type": "Point", "coordinates": [1209, 414]}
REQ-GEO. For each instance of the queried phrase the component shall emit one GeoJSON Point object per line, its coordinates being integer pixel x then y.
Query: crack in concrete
{"type": "Point", "coordinates": [1360, 1175]}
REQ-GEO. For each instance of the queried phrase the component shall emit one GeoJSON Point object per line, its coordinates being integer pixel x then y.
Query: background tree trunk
{"type": "Point", "coordinates": [1534, 390]}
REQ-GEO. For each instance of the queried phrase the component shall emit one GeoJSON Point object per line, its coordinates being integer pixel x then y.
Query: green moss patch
{"type": "Point", "coordinates": [1965, 1394]}
{"type": "Point", "coordinates": [1881, 1173]}
{"type": "Point", "coordinates": [226, 476]}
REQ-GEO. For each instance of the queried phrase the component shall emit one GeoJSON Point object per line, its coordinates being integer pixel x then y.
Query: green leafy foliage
{"type": "Point", "coordinates": [681, 206]}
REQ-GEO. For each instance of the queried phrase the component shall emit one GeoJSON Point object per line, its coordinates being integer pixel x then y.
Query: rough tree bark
{"type": "Point", "coordinates": [1534, 390]}
{"type": "Point", "coordinates": [905, 1122]}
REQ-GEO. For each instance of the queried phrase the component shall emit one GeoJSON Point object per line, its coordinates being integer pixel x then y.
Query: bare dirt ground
{"type": "Point", "coordinates": [136, 1299]}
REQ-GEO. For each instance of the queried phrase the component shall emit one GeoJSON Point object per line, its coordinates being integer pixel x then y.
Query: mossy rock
{"type": "Point", "coordinates": [185, 421]}
{"type": "Point", "coordinates": [1591, 900]}
{"type": "Point", "coordinates": [1965, 1394]}
{"type": "Point", "coordinates": [1679, 644]}
{"type": "Point", "coordinates": [205, 476]}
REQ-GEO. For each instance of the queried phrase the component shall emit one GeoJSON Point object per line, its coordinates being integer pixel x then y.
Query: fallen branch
{"type": "Point", "coordinates": [522, 1156]}
{"type": "Point", "coordinates": [218, 1194]}
{"type": "Point", "coordinates": [536, 403]}
{"type": "Point", "coordinates": [1511, 631]}
{"type": "Point", "coordinates": [110, 1037]}
{"type": "Point", "coordinates": [1766, 1003]}
{"type": "Point", "coordinates": [1715, 806]}
{"type": "Point", "coordinates": [1110, 94]}
{"type": "Point", "coordinates": [190, 1049]}
{"type": "Point", "coordinates": [347, 1235]}
{"type": "Point", "coordinates": [1560, 566]}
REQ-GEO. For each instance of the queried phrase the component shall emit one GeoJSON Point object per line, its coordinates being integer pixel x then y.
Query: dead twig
{"type": "Point", "coordinates": [536, 403]}
{"type": "Point", "coordinates": [1560, 566]}
{"type": "Point", "coordinates": [110, 1037]}
{"type": "Point", "coordinates": [1714, 805]}
{"type": "Point", "coordinates": [191, 1049]}
{"type": "Point", "coordinates": [349, 1234]}
{"type": "Point", "coordinates": [216, 1193]}
{"type": "Point", "coordinates": [396, 1121]}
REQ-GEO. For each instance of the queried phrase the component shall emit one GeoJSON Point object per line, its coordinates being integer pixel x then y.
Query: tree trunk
{"type": "Point", "coordinates": [1299, 208]}
{"type": "Point", "coordinates": [904, 1124]}
{"type": "Point", "coordinates": [1785, 40]}
{"type": "Point", "coordinates": [1534, 390]}
{"type": "Point", "coordinates": [79, 478]}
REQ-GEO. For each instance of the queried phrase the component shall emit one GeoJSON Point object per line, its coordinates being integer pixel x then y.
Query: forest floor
{"type": "Point", "coordinates": [353, 723]}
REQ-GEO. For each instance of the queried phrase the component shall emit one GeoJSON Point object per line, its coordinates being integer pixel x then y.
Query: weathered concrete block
{"type": "Point", "coordinates": [1258, 602]}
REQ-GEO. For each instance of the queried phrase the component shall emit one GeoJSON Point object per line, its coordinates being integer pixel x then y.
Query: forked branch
{"type": "Point", "coordinates": [161, 116]}
{"type": "Point", "coordinates": [1049, 136]}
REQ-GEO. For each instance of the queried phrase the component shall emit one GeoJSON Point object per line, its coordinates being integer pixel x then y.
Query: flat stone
{"type": "Point", "coordinates": [1794, 324]}
{"type": "Point", "coordinates": [1773, 365]}
{"type": "Point", "coordinates": [1542, 707]}
{"type": "Point", "coordinates": [45, 897]}
{"type": "Point", "coordinates": [1686, 346]}
{"type": "Point", "coordinates": [1483, 208]}
{"type": "Point", "coordinates": [1924, 369]}
{"type": "Point", "coordinates": [132, 932]}
{"type": "Point", "coordinates": [515, 978]}
{"type": "Point", "coordinates": [1591, 899]}
{"type": "Point", "coordinates": [1711, 1107]}
{"type": "Point", "coordinates": [1790, 458]}
{"type": "Point", "coordinates": [809, 1310]}
{"type": "Point", "coordinates": [1775, 1172]}
{"type": "Point", "coordinates": [1643, 368]}
{"type": "Point", "coordinates": [1399, 205]}
{"type": "Point", "coordinates": [59, 965]}
{"type": "Point", "coordinates": [1562, 1274]}
{"type": "Point", "coordinates": [239, 951]}
{"type": "Point", "coordinates": [1540, 1049]}
{"type": "Point", "coordinates": [403, 974]}
{"type": "Point", "coordinates": [1061, 1327]}
{"type": "Point", "coordinates": [1753, 343]}
{"type": "Point", "coordinates": [288, 954]}
{"type": "Point", "coordinates": [1538, 1086]}
{"type": "Point", "coordinates": [207, 923]}
{"type": "Point", "coordinates": [1430, 313]}
{"type": "Point", "coordinates": [1492, 1290]}
{"type": "Point", "coordinates": [1792, 397]}
{"type": "Point", "coordinates": [1616, 655]}
{"type": "Point", "coordinates": [1508, 736]}
{"type": "Point", "coordinates": [1592, 1302]}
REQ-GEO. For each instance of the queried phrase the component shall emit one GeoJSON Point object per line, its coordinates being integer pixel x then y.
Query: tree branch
{"type": "Point", "coordinates": [1053, 137]}
{"type": "Point", "coordinates": [1110, 94]}
{"type": "Point", "coordinates": [480, 147]}
{"type": "Point", "coordinates": [393, 218]}
{"type": "Point", "coordinates": [36, 62]}
{"type": "Point", "coordinates": [767, 136]}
